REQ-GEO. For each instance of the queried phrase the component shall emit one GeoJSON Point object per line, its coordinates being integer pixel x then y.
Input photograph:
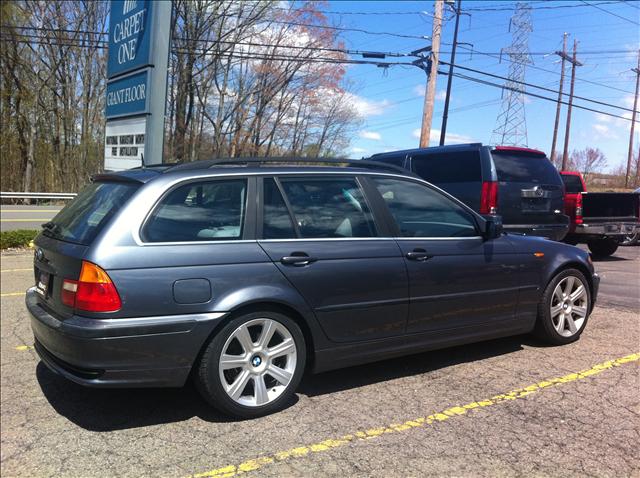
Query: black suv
{"type": "Point", "coordinates": [520, 184]}
{"type": "Point", "coordinates": [244, 275]}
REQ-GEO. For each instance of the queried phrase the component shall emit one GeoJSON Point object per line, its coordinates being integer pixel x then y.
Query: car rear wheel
{"type": "Point", "coordinates": [253, 365]}
{"type": "Point", "coordinates": [603, 247]}
{"type": "Point", "coordinates": [564, 309]}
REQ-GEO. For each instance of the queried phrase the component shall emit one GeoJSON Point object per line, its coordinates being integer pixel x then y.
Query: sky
{"type": "Point", "coordinates": [390, 100]}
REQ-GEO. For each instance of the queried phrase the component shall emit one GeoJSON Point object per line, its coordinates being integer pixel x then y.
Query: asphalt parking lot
{"type": "Point", "coordinates": [508, 407]}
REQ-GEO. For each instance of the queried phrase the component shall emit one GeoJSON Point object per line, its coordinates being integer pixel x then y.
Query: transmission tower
{"type": "Point", "coordinates": [511, 124]}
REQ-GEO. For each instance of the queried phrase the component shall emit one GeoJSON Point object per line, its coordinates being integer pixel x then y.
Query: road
{"type": "Point", "coordinates": [508, 407]}
{"type": "Point", "coordinates": [25, 217]}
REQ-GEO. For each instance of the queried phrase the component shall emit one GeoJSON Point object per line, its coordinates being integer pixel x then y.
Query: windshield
{"type": "Point", "coordinates": [82, 219]}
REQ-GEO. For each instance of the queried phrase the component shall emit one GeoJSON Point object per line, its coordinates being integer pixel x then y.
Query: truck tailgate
{"type": "Point", "coordinates": [610, 206]}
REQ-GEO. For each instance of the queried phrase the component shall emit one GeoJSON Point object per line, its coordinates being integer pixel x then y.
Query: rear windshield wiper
{"type": "Point", "coordinates": [52, 228]}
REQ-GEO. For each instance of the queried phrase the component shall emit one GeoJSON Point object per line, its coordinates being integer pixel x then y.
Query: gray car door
{"type": "Point", "coordinates": [456, 278]}
{"type": "Point", "coordinates": [322, 235]}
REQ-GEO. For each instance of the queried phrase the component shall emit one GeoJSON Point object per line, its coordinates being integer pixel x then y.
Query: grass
{"type": "Point", "coordinates": [18, 238]}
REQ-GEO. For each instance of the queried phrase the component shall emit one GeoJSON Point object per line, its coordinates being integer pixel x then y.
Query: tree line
{"type": "Point", "coordinates": [245, 78]}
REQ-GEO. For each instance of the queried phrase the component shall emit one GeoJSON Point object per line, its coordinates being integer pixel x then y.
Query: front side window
{"type": "Point", "coordinates": [325, 208]}
{"type": "Point", "coordinates": [420, 211]}
{"type": "Point", "coordinates": [199, 211]}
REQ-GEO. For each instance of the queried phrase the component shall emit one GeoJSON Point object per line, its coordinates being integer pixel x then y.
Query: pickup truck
{"type": "Point", "coordinates": [600, 220]}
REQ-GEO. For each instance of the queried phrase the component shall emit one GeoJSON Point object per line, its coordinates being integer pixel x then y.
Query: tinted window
{"type": "Point", "coordinates": [394, 160]}
{"type": "Point", "coordinates": [202, 211]}
{"type": "Point", "coordinates": [525, 169]}
{"type": "Point", "coordinates": [448, 167]}
{"type": "Point", "coordinates": [89, 212]}
{"type": "Point", "coordinates": [572, 183]}
{"type": "Point", "coordinates": [422, 212]}
{"type": "Point", "coordinates": [329, 207]}
{"type": "Point", "coordinates": [277, 223]}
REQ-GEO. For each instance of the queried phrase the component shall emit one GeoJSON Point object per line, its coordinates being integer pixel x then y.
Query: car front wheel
{"type": "Point", "coordinates": [564, 309]}
{"type": "Point", "coordinates": [253, 366]}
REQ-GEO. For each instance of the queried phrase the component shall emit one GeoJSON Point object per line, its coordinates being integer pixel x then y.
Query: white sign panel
{"type": "Point", "coordinates": [124, 143]}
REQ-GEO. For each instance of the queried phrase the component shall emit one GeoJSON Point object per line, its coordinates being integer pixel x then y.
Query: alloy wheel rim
{"type": "Point", "coordinates": [569, 306]}
{"type": "Point", "coordinates": [257, 363]}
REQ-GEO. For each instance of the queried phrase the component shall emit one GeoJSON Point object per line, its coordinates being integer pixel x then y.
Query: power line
{"type": "Point", "coordinates": [537, 86]}
{"type": "Point", "coordinates": [535, 95]}
{"type": "Point", "coordinates": [610, 13]}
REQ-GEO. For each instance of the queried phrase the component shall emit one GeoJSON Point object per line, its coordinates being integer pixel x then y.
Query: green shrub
{"type": "Point", "coordinates": [19, 238]}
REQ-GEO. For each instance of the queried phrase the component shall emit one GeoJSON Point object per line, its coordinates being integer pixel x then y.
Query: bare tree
{"type": "Point", "coordinates": [588, 160]}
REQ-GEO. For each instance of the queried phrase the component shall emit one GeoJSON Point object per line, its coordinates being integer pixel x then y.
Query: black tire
{"type": "Point", "coordinates": [207, 377]}
{"type": "Point", "coordinates": [545, 328]}
{"type": "Point", "coordinates": [603, 247]}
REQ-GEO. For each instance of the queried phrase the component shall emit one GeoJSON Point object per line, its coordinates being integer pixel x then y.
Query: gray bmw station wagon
{"type": "Point", "coordinates": [243, 274]}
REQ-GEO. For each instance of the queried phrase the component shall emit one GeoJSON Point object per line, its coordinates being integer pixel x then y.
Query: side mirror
{"type": "Point", "coordinates": [492, 227]}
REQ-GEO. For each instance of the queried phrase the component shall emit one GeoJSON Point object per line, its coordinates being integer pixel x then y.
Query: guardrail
{"type": "Point", "coordinates": [28, 195]}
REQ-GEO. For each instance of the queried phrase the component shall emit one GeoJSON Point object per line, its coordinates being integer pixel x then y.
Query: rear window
{"type": "Point", "coordinates": [81, 220]}
{"type": "Point", "coordinates": [459, 167]}
{"type": "Point", "coordinates": [525, 169]}
{"type": "Point", "coordinates": [572, 184]}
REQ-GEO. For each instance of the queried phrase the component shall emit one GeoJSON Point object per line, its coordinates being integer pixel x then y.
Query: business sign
{"type": "Point", "coordinates": [128, 95]}
{"type": "Point", "coordinates": [136, 95]}
{"type": "Point", "coordinates": [124, 143]}
{"type": "Point", "coordinates": [129, 36]}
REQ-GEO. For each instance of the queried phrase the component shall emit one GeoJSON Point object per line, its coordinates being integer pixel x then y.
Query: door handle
{"type": "Point", "coordinates": [418, 255]}
{"type": "Point", "coordinates": [297, 259]}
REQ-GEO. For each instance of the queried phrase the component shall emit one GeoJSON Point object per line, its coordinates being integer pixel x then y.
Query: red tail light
{"type": "Point", "coordinates": [578, 208]}
{"type": "Point", "coordinates": [489, 198]}
{"type": "Point", "coordinates": [93, 292]}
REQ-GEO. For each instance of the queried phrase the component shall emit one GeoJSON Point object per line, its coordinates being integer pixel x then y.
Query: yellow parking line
{"type": "Point", "coordinates": [302, 451]}
{"type": "Point", "coordinates": [34, 219]}
{"type": "Point", "coordinates": [12, 294]}
{"type": "Point", "coordinates": [24, 347]}
{"type": "Point", "coordinates": [17, 270]}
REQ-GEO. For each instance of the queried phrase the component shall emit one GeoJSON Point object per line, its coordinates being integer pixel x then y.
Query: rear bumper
{"type": "Point", "coordinates": [136, 352]}
{"type": "Point", "coordinates": [555, 232]}
{"type": "Point", "coordinates": [609, 229]}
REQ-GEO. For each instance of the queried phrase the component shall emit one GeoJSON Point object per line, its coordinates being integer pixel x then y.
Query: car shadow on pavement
{"type": "Point", "coordinates": [120, 409]}
{"type": "Point", "coordinates": [103, 410]}
{"type": "Point", "coordinates": [425, 362]}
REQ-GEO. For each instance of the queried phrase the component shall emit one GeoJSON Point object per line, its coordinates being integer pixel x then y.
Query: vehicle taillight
{"type": "Point", "coordinates": [92, 292]}
{"type": "Point", "coordinates": [579, 208]}
{"type": "Point", "coordinates": [489, 198]}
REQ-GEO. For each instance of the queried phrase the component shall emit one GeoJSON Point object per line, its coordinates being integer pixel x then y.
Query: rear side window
{"type": "Point", "coordinates": [329, 207]}
{"type": "Point", "coordinates": [454, 167]}
{"type": "Point", "coordinates": [393, 160]}
{"type": "Point", "coordinates": [572, 184]}
{"type": "Point", "coordinates": [422, 212]}
{"type": "Point", "coordinates": [525, 169]}
{"type": "Point", "coordinates": [82, 219]}
{"type": "Point", "coordinates": [199, 211]}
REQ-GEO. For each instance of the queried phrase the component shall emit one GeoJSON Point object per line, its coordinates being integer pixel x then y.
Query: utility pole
{"type": "Point", "coordinates": [445, 115]}
{"type": "Point", "coordinates": [562, 55]}
{"type": "Point", "coordinates": [633, 124]}
{"type": "Point", "coordinates": [574, 63]}
{"type": "Point", "coordinates": [430, 94]}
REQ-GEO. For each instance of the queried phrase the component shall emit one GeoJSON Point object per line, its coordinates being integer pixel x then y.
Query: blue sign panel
{"type": "Point", "coordinates": [129, 36]}
{"type": "Point", "coordinates": [128, 95]}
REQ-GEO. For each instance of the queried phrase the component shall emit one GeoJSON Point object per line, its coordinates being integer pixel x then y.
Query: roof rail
{"type": "Point", "coordinates": [206, 164]}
